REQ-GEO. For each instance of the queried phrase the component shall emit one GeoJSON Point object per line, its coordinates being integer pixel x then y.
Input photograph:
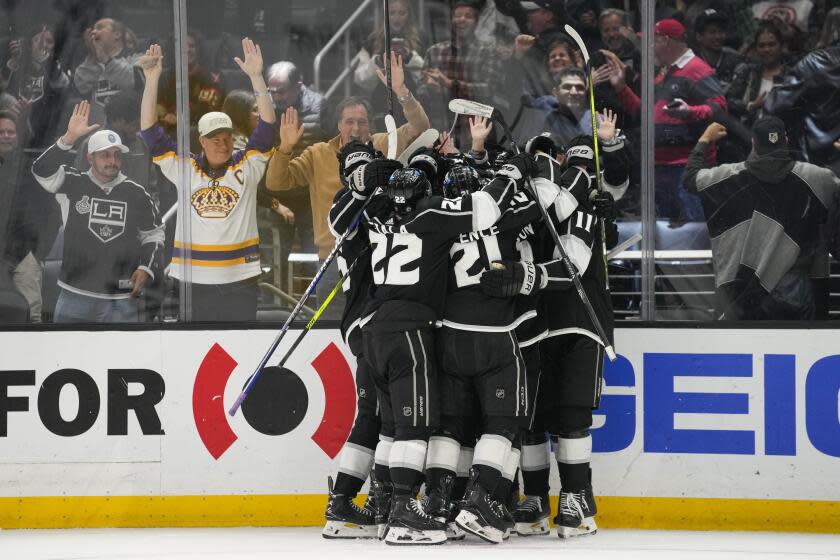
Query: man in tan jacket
{"type": "Point", "coordinates": [317, 166]}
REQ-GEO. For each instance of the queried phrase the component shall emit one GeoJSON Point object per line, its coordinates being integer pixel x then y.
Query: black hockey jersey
{"type": "Point", "coordinates": [355, 249]}
{"type": "Point", "coordinates": [410, 253]}
{"type": "Point", "coordinates": [467, 306]}
{"type": "Point", "coordinates": [111, 230]}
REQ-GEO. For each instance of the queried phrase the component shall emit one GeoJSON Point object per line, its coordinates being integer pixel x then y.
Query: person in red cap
{"type": "Point", "coordinates": [687, 97]}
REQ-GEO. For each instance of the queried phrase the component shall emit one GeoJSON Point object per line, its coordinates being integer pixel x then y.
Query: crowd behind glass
{"type": "Point", "coordinates": [761, 56]}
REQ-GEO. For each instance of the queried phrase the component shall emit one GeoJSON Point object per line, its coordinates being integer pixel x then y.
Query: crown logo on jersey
{"type": "Point", "coordinates": [215, 201]}
{"type": "Point", "coordinates": [83, 206]}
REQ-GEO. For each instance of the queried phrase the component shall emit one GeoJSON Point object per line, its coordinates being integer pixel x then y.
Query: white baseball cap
{"type": "Point", "coordinates": [213, 122]}
{"type": "Point", "coordinates": [104, 139]}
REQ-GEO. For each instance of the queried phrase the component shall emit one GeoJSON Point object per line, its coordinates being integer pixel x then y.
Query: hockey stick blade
{"type": "Point", "coordinates": [471, 108]}
{"type": "Point", "coordinates": [425, 140]}
{"type": "Point", "coordinates": [391, 127]}
{"type": "Point", "coordinates": [579, 40]}
{"type": "Point", "coordinates": [626, 244]}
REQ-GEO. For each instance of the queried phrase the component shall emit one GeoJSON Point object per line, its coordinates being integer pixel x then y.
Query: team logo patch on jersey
{"type": "Point", "coordinates": [214, 201]}
{"type": "Point", "coordinates": [83, 206]}
{"type": "Point", "coordinates": [500, 393]}
{"type": "Point", "coordinates": [406, 411]}
{"type": "Point", "coordinates": [106, 219]}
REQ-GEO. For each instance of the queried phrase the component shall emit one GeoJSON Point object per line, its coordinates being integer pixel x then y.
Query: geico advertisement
{"type": "Point", "coordinates": [685, 412]}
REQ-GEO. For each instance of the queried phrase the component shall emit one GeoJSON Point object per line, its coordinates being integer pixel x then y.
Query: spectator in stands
{"type": "Point", "coordinates": [830, 33]}
{"type": "Point", "coordinates": [568, 113]}
{"type": "Point", "coordinates": [317, 166]}
{"type": "Point", "coordinates": [752, 81]}
{"type": "Point", "coordinates": [407, 40]}
{"type": "Point", "coordinates": [687, 95]}
{"type": "Point", "coordinates": [460, 68]}
{"type": "Point", "coordinates": [710, 33]}
{"type": "Point", "coordinates": [34, 76]}
{"type": "Point", "coordinates": [614, 29]}
{"type": "Point", "coordinates": [545, 20]}
{"type": "Point", "coordinates": [766, 217]}
{"type": "Point", "coordinates": [206, 87]}
{"type": "Point", "coordinates": [111, 237]}
{"type": "Point", "coordinates": [809, 104]}
{"type": "Point", "coordinates": [109, 67]}
{"type": "Point", "coordinates": [223, 253]}
{"type": "Point", "coordinates": [562, 54]}
{"type": "Point", "coordinates": [29, 221]}
{"type": "Point", "coordinates": [288, 90]}
{"type": "Point", "coordinates": [583, 16]}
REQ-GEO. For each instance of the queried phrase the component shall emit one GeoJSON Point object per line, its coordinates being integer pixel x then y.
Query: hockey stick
{"type": "Point", "coordinates": [567, 263]}
{"type": "Point", "coordinates": [583, 50]}
{"type": "Point", "coordinates": [626, 244]}
{"type": "Point", "coordinates": [425, 140]}
{"type": "Point", "coordinates": [390, 123]}
{"type": "Point", "coordinates": [311, 288]}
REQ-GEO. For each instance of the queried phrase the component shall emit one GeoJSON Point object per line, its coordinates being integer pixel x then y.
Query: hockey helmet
{"type": "Point", "coordinates": [406, 187]}
{"type": "Point", "coordinates": [581, 152]}
{"type": "Point", "coordinates": [542, 143]}
{"type": "Point", "coordinates": [460, 181]}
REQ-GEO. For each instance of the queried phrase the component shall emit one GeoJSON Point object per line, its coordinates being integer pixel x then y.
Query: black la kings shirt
{"type": "Point", "coordinates": [111, 230]}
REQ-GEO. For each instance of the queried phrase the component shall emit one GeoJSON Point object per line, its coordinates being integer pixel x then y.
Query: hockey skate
{"type": "Point", "coordinates": [408, 524]}
{"type": "Point", "coordinates": [577, 514]}
{"type": "Point", "coordinates": [531, 516]}
{"type": "Point", "coordinates": [479, 517]}
{"type": "Point", "coordinates": [345, 520]}
{"type": "Point", "coordinates": [504, 514]}
{"type": "Point", "coordinates": [379, 503]}
{"type": "Point", "coordinates": [438, 504]}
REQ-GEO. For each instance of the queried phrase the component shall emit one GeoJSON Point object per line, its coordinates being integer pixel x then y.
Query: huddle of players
{"type": "Point", "coordinates": [472, 345]}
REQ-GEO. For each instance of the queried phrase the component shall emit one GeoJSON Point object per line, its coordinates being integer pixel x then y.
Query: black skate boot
{"type": "Point", "coordinates": [478, 515]}
{"type": "Point", "coordinates": [504, 514]}
{"type": "Point", "coordinates": [345, 520]}
{"type": "Point", "coordinates": [576, 515]}
{"type": "Point", "coordinates": [531, 516]}
{"type": "Point", "coordinates": [408, 524]}
{"type": "Point", "coordinates": [379, 503]}
{"type": "Point", "coordinates": [438, 504]}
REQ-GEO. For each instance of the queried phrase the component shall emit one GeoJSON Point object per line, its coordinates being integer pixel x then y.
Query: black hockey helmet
{"type": "Point", "coordinates": [542, 143]}
{"type": "Point", "coordinates": [460, 181]}
{"type": "Point", "coordinates": [406, 187]}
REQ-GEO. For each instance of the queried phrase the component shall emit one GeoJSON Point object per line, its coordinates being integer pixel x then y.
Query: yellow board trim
{"type": "Point", "coordinates": [702, 514]}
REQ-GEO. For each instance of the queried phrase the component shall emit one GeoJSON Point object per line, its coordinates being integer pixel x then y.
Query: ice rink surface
{"type": "Point", "coordinates": [307, 544]}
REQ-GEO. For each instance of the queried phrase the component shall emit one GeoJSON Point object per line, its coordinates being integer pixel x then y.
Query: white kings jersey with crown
{"type": "Point", "coordinates": [225, 244]}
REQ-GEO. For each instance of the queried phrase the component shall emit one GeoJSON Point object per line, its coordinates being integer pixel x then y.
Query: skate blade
{"type": "Point", "coordinates": [586, 527]}
{"type": "Point", "coordinates": [469, 523]}
{"type": "Point", "coordinates": [345, 530]}
{"type": "Point", "coordinates": [403, 536]}
{"type": "Point", "coordinates": [454, 533]}
{"type": "Point", "coordinates": [381, 531]}
{"type": "Point", "coordinates": [540, 527]}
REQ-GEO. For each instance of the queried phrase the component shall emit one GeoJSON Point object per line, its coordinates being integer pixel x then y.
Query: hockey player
{"type": "Point", "coordinates": [343, 518]}
{"type": "Point", "coordinates": [572, 354]}
{"type": "Point", "coordinates": [410, 236]}
{"type": "Point", "coordinates": [483, 376]}
{"type": "Point", "coordinates": [112, 234]}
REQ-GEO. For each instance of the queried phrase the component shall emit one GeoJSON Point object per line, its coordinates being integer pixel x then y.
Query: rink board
{"type": "Point", "coordinates": [698, 429]}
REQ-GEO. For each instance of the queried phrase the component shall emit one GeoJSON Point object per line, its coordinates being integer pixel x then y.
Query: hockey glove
{"type": "Point", "coordinates": [510, 278]}
{"type": "Point", "coordinates": [377, 173]}
{"type": "Point", "coordinates": [604, 205]}
{"type": "Point", "coordinates": [519, 166]}
{"type": "Point", "coordinates": [354, 155]}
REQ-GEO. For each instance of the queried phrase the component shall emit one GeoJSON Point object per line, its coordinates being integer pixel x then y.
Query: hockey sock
{"type": "Point", "coordinates": [462, 476]}
{"type": "Point", "coordinates": [536, 465]}
{"type": "Point", "coordinates": [573, 456]}
{"type": "Point", "coordinates": [380, 466]}
{"type": "Point", "coordinates": [406, 463]}
{"type": "Point", "coordinates": [353, 468]}
{"type": "Point", "coordinates": [491, 452]}
{"type": "Point", "coordinates": [502, 491]}
{"type": "Point", "coordinates": [441, 461]}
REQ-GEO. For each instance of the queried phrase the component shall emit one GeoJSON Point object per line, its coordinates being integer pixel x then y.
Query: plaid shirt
{"type": "Point", "coordinates": [475, 68]}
